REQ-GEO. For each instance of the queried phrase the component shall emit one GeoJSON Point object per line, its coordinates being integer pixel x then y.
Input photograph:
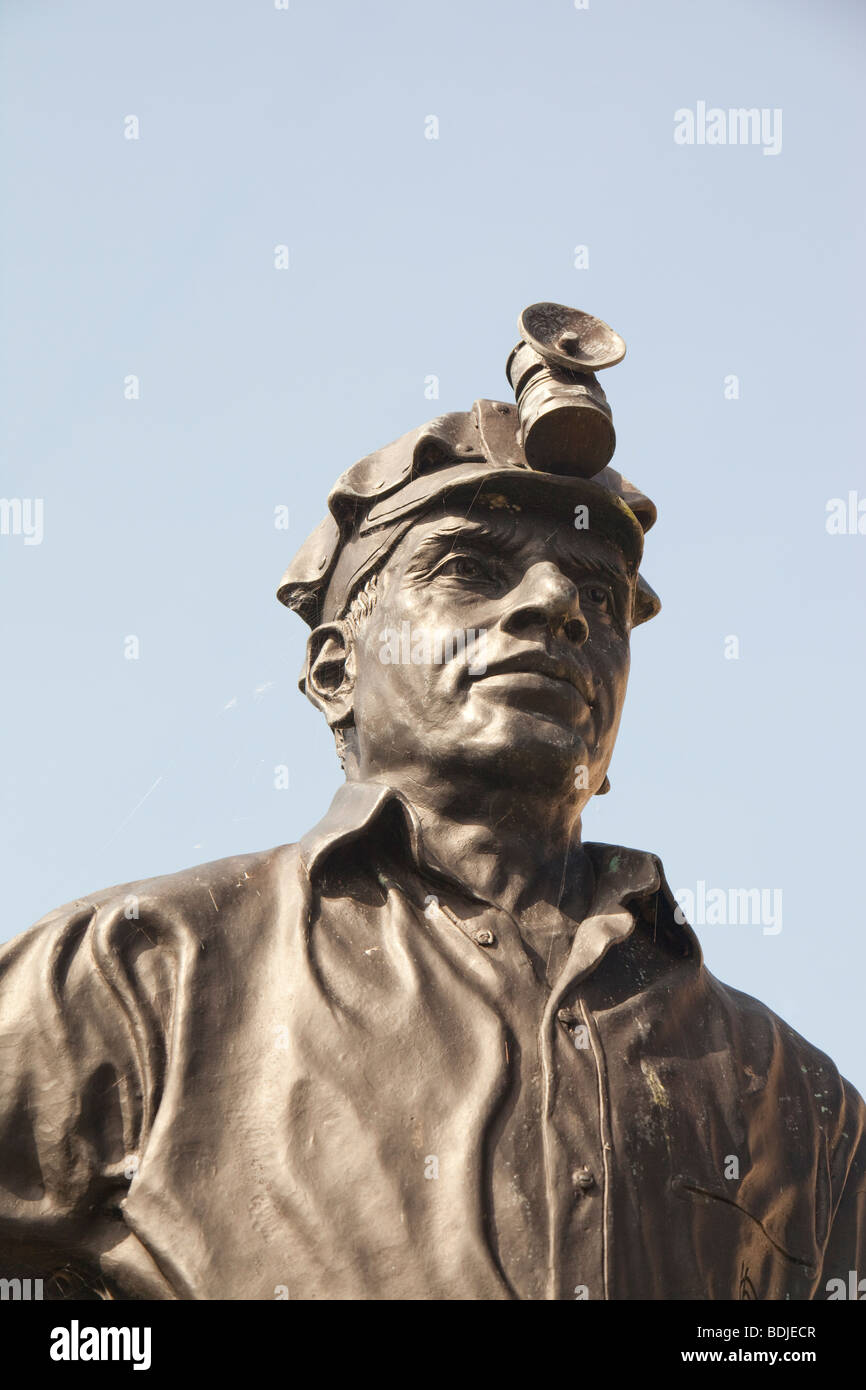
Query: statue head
{"type": "Point", "coordinates": [471, 612]}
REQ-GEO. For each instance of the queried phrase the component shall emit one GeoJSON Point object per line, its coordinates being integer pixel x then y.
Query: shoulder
{"type": "Point", "coordinates": [202, 901]}
{"type": "Point", "coordinates": [765, 1047]}
{"type": "Point", "coordinates": [768, 1046]}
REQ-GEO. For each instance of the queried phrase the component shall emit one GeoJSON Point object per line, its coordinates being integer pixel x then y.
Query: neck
{"type": "Point", "coordinates": [519, 850]}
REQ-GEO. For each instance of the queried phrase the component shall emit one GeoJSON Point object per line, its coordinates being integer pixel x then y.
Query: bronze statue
{"type": "Point", "coordinates": [442, 1048]}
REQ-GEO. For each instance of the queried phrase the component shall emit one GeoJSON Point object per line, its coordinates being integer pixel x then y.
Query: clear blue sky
{"type": "Point", "coordinates": [410, 257]}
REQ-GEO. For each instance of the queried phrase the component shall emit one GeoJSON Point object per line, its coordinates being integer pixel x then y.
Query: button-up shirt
{"type": "Point", "coordinates": [330, 1071]}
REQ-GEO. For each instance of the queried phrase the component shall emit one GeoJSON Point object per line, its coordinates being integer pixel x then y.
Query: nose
{"type": "Point", "coordinates": [546, 600]}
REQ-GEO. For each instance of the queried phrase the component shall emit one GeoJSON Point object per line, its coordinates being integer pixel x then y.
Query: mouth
{"type": "Point", "coordinates": [538, 669]}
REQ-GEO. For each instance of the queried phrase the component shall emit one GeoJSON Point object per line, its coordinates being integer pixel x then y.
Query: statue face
{"type": "Point", "coordinates": [499, 645]}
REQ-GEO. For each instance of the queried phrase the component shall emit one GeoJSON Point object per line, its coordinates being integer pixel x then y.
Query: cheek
{"type": "Point", "coordinates": [610, 659]}
{"type": "Point", "coordinates": [394, 685]}
{"type": "Point", "coordinates": [620, 663]}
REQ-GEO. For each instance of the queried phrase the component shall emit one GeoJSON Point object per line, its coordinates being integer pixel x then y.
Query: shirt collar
{"type": "Point", "coordinates": [624, 878]}
{"type": "Point", "coordinates": [356, 807]}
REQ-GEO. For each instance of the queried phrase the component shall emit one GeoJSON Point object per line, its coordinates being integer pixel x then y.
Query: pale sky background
{"type": "Point", "coordinates": [408, 257]}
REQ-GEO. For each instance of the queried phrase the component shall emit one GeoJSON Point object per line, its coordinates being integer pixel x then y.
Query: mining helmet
{"type": "Point", "coordinates": [550, 451]}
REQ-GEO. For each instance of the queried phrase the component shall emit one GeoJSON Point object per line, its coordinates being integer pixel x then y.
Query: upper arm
{"type": "Point", "coordinates": [845, 1252]}
{"type": "Point", "coordinates": [79, 1058]}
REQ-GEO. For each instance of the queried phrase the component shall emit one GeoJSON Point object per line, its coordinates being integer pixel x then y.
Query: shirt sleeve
{"type": "Point", "coordinates": [844, 1265]}
{"type": "Point", "coordinates": [84, 1002]}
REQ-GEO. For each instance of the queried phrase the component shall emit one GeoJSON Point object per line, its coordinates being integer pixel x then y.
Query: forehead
{"type": "Point", "coordinates": [511, 530]}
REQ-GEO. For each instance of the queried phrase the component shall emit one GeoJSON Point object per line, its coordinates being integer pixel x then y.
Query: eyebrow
{"type": "Point", "coordinates": [499, 535]}
{"type": "Point", "coordinates": [451, 535]}
{"type": "Point", "coordinates": [592, 564]}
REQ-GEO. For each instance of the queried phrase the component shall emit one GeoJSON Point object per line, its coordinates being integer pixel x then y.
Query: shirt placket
{"type": "Point", "coordinates": [488, 942]}
{"type": "Point", "coordinates": [579, 1153]}
{"type": "Point", "coordinates": [573, 1103]}
{"type": "Point", "coordinates": [570, 1104]}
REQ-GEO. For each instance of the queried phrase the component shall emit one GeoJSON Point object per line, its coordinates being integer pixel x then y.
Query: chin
{"type": "Point", "coordinates": [519, 747]}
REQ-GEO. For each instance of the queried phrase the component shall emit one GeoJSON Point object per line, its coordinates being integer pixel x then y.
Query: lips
{"type": "Point", "coordinates": [539, 663]}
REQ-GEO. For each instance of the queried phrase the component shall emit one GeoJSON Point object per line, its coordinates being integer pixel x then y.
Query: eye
{"type": "Point", "coordinates": [463, 567]}
{"type": "Point", "coordinates": [596, 596]}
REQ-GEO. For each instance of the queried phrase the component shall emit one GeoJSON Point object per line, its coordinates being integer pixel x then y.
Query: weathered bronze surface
{"type": "Point", "coordinates": [443, 1048]}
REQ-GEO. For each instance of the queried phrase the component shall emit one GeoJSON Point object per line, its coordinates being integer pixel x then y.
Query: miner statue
{"type": "Point", "coordinates": [443, 1048]}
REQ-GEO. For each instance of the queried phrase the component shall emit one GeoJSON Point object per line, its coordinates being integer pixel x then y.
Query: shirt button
{"type": "Point", "coordinates": [485, 938]}
{"type": "Point", "coordinates": [566, 1016]}
{"type": "Point", "coordinates": [583, 1178]}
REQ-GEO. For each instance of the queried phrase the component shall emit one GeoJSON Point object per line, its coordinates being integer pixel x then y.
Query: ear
{"type": "Point", "coordinates": [330, 682]}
